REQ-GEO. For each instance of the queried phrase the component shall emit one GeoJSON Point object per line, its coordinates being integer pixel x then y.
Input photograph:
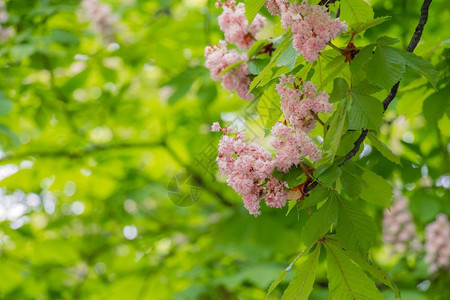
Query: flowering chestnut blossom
{"type": "Point", "coordinates": [399, 229]}
{"type": "Point", "coordinates": [292, 146]}
{"type": "Point", "coordinates": [437, 244]}
{"type": "Point", "coordinates": [311, 25]}
{"type": "Point", "coordinates": [218, 58]}
{"type": "Point", "coordinates": [101, 16]}
{"type": "Point", "coordinates": [234, 24]}
{"type": "Point", "coordinates": [299, 103]}
{"type": "Point", "coordinates": [249, 169]}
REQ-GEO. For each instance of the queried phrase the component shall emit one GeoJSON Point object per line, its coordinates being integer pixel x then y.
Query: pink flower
{"type": "Point", "coordinates": [219, 58]}
{"type": "Point", "coordinates": [398, 227]}
{"type": "Point", "coordinates": [101, 16]}
{"type": "Point", "coordinates": [234, 24]}
{"type": "Point", "coordinates": [437, 244]}
{"type": "Point", "coordinates": [215, 127]}
{"type": "Point", "coordinates": [292, 147]}
{"type": "Point", "coordinates": [300, 105]}
{"type": "Point", "coordinates": [249, 168]}
{"type": "Point", "coordinates": [312, 26]}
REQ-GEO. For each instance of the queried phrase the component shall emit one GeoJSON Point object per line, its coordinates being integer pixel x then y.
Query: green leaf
{"type": "Point", "coordinates": [386, 67]}
{"type": "Point", "coordinates": [330, 175]}
{"type": "Point", "coordinates": [5, 104]}
{"type": "Point", "coordinates": [361, 27]}
{"type": "Point", "coordinates": [366, 112]}
{"type": "Point", "coordinates": [257, 65]}
{"type": "Point", "coordinates": [288, 57]}
{"type": "Point", "coordinates": [355, 11]}
{"type": "Point", "coordinates": [387, 41]}
{"type": "Point", "coordinates": [320, 222]}
{"type": "Point", "coordinates": [337, 128]}
{"type": "Point", "coordinates": [256, 47]}
{"type": "Point", "coordinates": [351, 181]}
{"type": "Point", "coordinates": [316, 196]}
{"type": "Point", "coordinates": [252, 7]}
{"type": "Point", "coordinates": [231, 67]}
{"type": "Point", "coordinates": [375, 271]}
{"type": "Point", "coordinates": [340, 90]}
{"type": "Point", "coordinates": [355, 229]}
{"type": "Point", "coordinates": [375, 189]}
{"type": "Point", "coordinates": [302, 284]}
{"type": "Point", "coordinates": [420, 65]}
{"type": "Point", "coordinates": [267, 74]}
{"type": "Point", "coordinates": [365, 88]}
{"type": "Point", "coordinates": [384, 150]}
{"type": "Point", "coordinates": [276, 282]}
{"type": "Point", "coordinates": [269, 108]}
{"type": "Point", "coordinates": [360, 62]}
{"type": "Point", "coordinates": [345, 279]}
{"type": "Point", "coordinates": [435, 106]}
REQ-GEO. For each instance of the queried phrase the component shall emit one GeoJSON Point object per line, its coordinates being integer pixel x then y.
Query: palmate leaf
{"type": "Point", "coordinates": [252, 7]}
{"type": "Point", "coordinates": [346, 280]}
{"type": "Point", "coordinates": [320, 222]}
{"type": "Point", "coordinates": [302, 284]}
{"type": "Point", "coordinates": [375, 189]}
{"type": "Point", "coordinates": [355, 229]}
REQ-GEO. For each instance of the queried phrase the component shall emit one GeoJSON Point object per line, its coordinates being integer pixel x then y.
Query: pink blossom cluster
{"type": "Point", "coordinates": [437, 244]}
{"type": "Point", "coordinates": [101, 16]}
{"type": "Point", "coordinates": [299, 102]}
{"type": "Point", "coordinates": [292, 146]}
{"type": "Point", "coordinates": [399, 229]}
{"type": "Point", "coordinates": [249, 169]}
{"type": "Point", "coordinates": [312, 26]}
{"type": "Point", "coordinates": [218, 58]}
{"type": "Point", "coordinates": [234, 24]}
{"type": "Point", "coordinates": [5, 32]}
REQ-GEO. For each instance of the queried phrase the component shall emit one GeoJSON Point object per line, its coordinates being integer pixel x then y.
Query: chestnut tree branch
{"type": "Point", "coordinates": [412, 45]}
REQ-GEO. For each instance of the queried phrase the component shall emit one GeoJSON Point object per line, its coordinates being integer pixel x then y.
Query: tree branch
{"type": "Point", "coordinates": [412, 45]}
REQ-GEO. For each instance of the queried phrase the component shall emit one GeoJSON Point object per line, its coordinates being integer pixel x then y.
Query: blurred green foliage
{"type": "Point", "coordinates": [93, 129]}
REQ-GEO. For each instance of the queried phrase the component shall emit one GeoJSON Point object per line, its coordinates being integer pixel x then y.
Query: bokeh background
{"type": "Point", "coordinates": [103, 105]}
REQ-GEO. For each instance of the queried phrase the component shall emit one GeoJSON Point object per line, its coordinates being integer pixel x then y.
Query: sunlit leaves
{"type": "Point", "coordinates": [384, 150]}
{"type": "Point", "coordinates": [346, 279]}
{"type": "Point", "coordinates": [252, 8]}
{"type": "Point", "coordinates": [320, 222]}
{"type": "Point", "coordinates": [366, 112]}
{"type": "Point", "coordinates": [355, 229]}
{"type": "Point", "coordinates": [386, 67]}
{"type": "Point", "coordinates": [355, 11]}
{"type": "Point", "coordinates": [302, 284]}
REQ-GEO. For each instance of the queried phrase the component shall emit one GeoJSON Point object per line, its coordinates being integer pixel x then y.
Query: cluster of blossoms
{"type": "Point", "coordinates": [235, 26]}
{"type": "Point", "coordinates": [5, 32]}
{"type": "Point", "coordinates": [291, 146]}
{"type": "Point", "coordinates": [300, 106]}
{"type": "Point", "coordinates": [437, 244]}
{"type": "Point", "coordinates": [218, 58]}
{"type": "Point", "coordinates": [311, 25]}
{"type": "Point", "coordinates": [101, 16]}
{"type": "Point", "coordinates": [249, 169]}
{"type": "Point", "coordinates": [398, 227]}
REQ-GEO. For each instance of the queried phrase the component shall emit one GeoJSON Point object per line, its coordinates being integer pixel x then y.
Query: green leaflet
{"type": "Point", "coordinates": [355, 12]}
{"type": "Point", "coordinates": [435, 105]}
{"type": "Point", "coordinates": [269, 107]}
{"type": "Point", "coordinates": [355, 229]}
{"type": "Point", "coordinates": [316, 196]}
{"type": "Point", "coordinates": [256, 47]}
{"type": "Point", "coordinates": [366, 112]}
{"type": "Point", "coordinates": [231, 67]}
{"type": "Point", "coordinates": [420, 65]}
{"type": "Point", "coordinates": [330, 175]}
{"type": "Point", "coordinates": [375, 271]}
{"type": "Point", "coordinates": [346, 280]}
{"type": "Point", "coordinates": [320, 222]}
{"type": "Point", "coordinates": [288, 57]}
{"type": "Point", "coordinates": [302, 284]}
{"type": "Point", "coordinates": [386, 67]}
{"type": "Point", "coordinates": [276, 282]}
{"type": "Point", "coordinates": [375, 189]}
{"type": "Point", "coordinates": [351, 180]}
{"type": "Point", "coordinates": [340, 90]}
{"type": "Point", "coordinates": [360, 62]}
{"type": "Point", "coordinates": [384, 150]}
{"type": "Point", "coordinates": [337, 128]}
{"type": "Point", "coordinates": [266, 74]}
{"type": "Point", "coordinates": [363, 26]}
{"type": "Point", "coordinates": [255, 66]}
{"type": "Point", "coordinates": [252, 7]}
